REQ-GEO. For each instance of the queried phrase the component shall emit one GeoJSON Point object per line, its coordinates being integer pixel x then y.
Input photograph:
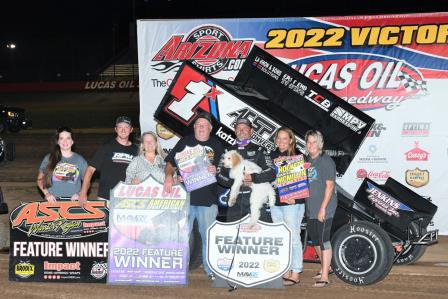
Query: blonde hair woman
{"type": "Point", "coordinates": [290, 212]}
{"type": "Point", "coordinates": [148, 162]}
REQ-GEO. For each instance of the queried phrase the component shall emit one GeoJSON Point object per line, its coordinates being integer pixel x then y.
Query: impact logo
{"type": "Point", "coordinates": [209, 47]}
{"type": "Point", "coordinates": [417, 154]}
{"type": "Point", "coordinates": [385, 202]}
{"type": "Point", "coordinates": [99, 270]}
{"type": "Point", "coordinates": [24, 269]}
{"type": "Point", "coordinates": [373, 81]}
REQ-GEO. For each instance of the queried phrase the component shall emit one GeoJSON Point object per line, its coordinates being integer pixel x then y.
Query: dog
{"type": "Point", "coordinates": [261, 193]}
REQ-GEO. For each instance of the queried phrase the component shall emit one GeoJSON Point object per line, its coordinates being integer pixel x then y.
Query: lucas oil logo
{"type": "Point", "coordinates": [209, 47]}
{"type": "Point", "coordinates": [367, 81]}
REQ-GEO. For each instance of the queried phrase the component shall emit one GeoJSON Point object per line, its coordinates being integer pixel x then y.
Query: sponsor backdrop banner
{"type": "Point", "coordinates": [392, 67]}
{"type": "Point", "coordinates": [149, 235]}
{"type": "Point", "coordinates": [59, 242]}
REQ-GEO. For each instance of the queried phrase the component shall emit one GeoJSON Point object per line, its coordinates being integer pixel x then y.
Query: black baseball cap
{"type": "Point", "coordinates": [244, 121]}
{"type": "Point", "coordinates": [123, 119]}
{"type": "Point", "coordinates": [206, 116]}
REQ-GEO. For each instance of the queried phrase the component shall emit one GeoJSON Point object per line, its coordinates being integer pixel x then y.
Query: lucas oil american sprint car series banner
{"type": "Point", "coordinates": [392, 67]}
{"type": "Point", "coordinates": [148, 237]}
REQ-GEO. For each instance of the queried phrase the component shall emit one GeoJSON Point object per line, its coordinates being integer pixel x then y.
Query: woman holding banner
{"type": "Point", "coordinates": [322, 203]}
{"type": "Point", "coordinates": [289, 207]}
{"type": "Point", "coordinates": [62, 170]}
{"type": "Point", "coordinates": [148, 162]}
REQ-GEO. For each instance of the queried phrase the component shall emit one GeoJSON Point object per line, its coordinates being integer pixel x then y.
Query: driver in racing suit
{"type": "Point", "coordinates": [256, 154]}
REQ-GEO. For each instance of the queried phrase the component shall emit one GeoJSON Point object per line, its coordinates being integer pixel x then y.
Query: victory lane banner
{"type": "Point", "coordinates": [291, 180]}
{"type": "Point", "coordinates": [59, 242]}
{"type": "Point", "coordinates": [249, 256]}
{"type": "Point", "coordinates": [193, 165]}
{"type": "Point", "coordinates": [148, 236]}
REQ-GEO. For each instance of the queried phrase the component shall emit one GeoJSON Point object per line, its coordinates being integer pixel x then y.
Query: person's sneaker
{"type": "Point", "coordinates": [211, 276]}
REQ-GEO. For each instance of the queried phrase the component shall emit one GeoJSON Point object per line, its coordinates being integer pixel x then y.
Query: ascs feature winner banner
{"type": "Point", "coordinates": [393, 67]}
{"type": "Point", "coordinates": [59, 242]}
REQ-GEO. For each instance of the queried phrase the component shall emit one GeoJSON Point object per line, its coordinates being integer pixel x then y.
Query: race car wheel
{"type": "Point", "coordinates": [362, 253]}
{"type": "Point", "coordinates": [411, 253]}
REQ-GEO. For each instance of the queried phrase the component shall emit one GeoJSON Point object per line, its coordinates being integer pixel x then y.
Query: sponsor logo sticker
{"type": "Point", "coordinates": [24, 269]}
{"type": "Point", "coordinates": [271, 265]}
{"type": "Point", "coordinates": [163, 132]}
{"type": "Point", "coordinates": [372, 157]}
{"type": "Point", "coordinates": [385, 202]}
{"type": "Point", "coordinates": [416, 129]}
{"type": "Point", "coordinates": [99, 270]}
{"type": "Point", "coordinates": [209, 47]}
{"type": "Point", "coordinates": [417, 178]}
{"type": "Point", "coordinates": [347, 119]}
{"type": "Point", "coordinates": [374, 81]}
{"type": "Point", "coordinates": [381, 175]}
{"type": "Point", "coordinates": [376, 130]}
{"type": "Point", "coordinates": [417, 154]}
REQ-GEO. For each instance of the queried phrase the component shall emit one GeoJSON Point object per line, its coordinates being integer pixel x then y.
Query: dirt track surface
{"type": "Point", "coordinates": [427, 278]}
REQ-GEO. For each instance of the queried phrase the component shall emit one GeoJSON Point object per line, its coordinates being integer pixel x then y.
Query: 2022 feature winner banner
{"type": "Point", "coordinates": [149, 235]}
{"type": "Point", "coordinates": [193, 163]}
{"type": "Point", "coordinates": [393, 67]}
{"type": "Point", "coordinates": [59, 242]}
{"type": "Point", "coordinates": [246, 255]}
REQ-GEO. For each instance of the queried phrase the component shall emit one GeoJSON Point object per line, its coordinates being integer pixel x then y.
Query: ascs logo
{"type": "Point", "coordinates": [208, 47]}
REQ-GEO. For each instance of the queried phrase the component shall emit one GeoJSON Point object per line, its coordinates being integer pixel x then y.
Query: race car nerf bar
{"type": "Point", "coordinates": [271, 94]}
{"type": "Point", "coordinates": [428, 238]}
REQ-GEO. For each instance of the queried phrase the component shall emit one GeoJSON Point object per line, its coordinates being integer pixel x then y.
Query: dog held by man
{"type": "Point", "coordinates": [261, 192]}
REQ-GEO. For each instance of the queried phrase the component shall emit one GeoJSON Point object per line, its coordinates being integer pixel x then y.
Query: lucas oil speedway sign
{"type": "Point", "coordinates": [394, 68]}
{"type": "Point", "coordinates": [59, 242]}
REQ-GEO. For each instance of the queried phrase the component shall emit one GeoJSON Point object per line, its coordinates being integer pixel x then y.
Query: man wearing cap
{"type": "Point", "coordinates": [256, 154]}
{"type": "Point", "coordinates": [203, 201]}
{"type": "Point", "coordinates": [111, 160]}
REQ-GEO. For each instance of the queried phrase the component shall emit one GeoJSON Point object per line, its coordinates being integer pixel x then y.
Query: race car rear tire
{"type": "Point", "coordinates": [362, 253]}
{"type": "Point", "coordinates": [195, 247]}
{"type": "Point", "coordinates": [412, 253]}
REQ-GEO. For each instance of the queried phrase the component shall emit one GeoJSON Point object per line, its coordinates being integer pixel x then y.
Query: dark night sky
{"type": "Point", "coordinates": [75, 37]}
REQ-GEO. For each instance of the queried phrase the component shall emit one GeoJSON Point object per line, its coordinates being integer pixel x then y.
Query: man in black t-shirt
{"type": "Point", "coordinates": [203, 201]}
{"type": "Point", "coordinates": [111, 160]}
